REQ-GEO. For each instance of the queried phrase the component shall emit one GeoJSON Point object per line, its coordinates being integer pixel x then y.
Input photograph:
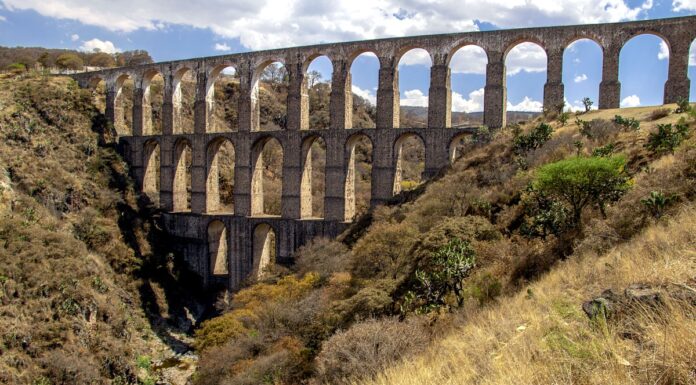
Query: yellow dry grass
{"type": "Point", "coordinates": [541, 336]}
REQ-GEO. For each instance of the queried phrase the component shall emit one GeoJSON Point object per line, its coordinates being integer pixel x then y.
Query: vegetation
{"type": "Point", "coordinates": [587, 103]}
{"type": "Point", "coordinates": [667, 138]}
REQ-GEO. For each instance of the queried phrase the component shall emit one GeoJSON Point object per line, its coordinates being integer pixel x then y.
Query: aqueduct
{"type": "Point", "coordinates": [225, 247]}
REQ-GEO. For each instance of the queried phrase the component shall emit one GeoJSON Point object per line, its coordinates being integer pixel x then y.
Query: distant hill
{"type": "Point", "coordinates": [418, 116]}
{"type": "Point", "coordinates": [38, 57]}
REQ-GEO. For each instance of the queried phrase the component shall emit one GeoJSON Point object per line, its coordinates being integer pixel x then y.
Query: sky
{"type": "Point", "coordinates": [176, 29]}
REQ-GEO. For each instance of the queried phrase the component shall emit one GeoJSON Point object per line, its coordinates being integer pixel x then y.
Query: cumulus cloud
{"type": "Point", "coordinates": [74, 37]}
{"type": "Point", "coordinates": [473, 104]}
{"type": "Point", "coordinates": [527, 57]}
{"type": "Point", "coordinates": [664, 51]}
{"type": "Point", "coordinates": [222, 47]}
{"type": "Point", "coordinates": [414, 98]}
{"type": "Point", "coordinates": [365, 94]}
{"type": "Point", "coordinates": [630, 101]}
{"type": "Point", "coordinates": [416, 56]}
{"type": "Point", "coordinates": [260, 24]}
{"type": "Point", "coordinates": [580, 78]}
{"type": "Point", "coordinates": [101, 45]}
{"type": "Point", "coordinates": [470, 59]}
{"type": "Point", "coordinates": [684, 5]}
{"type": "Point", "coordinates": [526, 105]}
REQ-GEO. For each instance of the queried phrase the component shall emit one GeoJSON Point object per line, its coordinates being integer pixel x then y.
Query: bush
{"type": "Point", "coordinates": [587, 103]}
{"type": "Point", "coordinates": [368, 348]}
{"type": "Point", "coordinates": [540, 134]}
{"type": "Point", "coordinates": [485, 288]}
{"type": "Point", "coordinates": [627, 124]}
{"type": "Point", "coordinates": [667, 138]}
{"type": "Point", "coordinates": [683, 106]}
{"type": "Point", "coordinates": [604, 151]}
{"type": "Point", "coordinates": [563, 118]}
{"type": "Point", "coordinates": [440, 277]}
{"type": "Point", "coordinates": [323, 256]}
{"type": "Point", "coordinates": [657, 203]}
{"type": "Point", "coordinates": [578, 182]}
{"type": "Point", "coordinates": [659, 113]}
{"type": "Point", "coordinates": [597, 129]}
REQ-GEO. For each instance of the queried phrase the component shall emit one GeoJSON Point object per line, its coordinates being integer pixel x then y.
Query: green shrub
{"type": "Point", "coordinates": [563, 118]}
{"type": "Point", "coordinates": [578, 182]}
{"type": "Point", "coordinates": [604, 151]}
{"type": "Point", "coordinates": [540, 134]}
{"type": "Point", "coordinates": [667, 137]}
{"type": "Point", "coordinates": [485, 288]}
{"type": "Point", "coordinates": [683, 106]}
{"type": "Point", "coordinates": [587, 103]}
{"type": "Point", "coordinates": [657, 202]}
{"type": "Point", "coordinates": [627, 124]}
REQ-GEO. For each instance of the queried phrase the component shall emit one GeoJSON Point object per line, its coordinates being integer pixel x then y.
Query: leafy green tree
{"type": "Point", "coordinates": [102, 59]}
{"type": "Point", "coordinates": [581, 181]}
{"type": "Point", "coordinates": [69, 61]}
{"type": "Point", "coordinates": [440, 277]}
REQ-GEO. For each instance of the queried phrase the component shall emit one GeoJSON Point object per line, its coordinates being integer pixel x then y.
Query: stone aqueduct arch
{"type": "Point", "coordinates": [290, 230]}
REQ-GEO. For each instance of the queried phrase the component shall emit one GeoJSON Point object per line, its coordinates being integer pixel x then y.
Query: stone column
{"type": "Point", "coordinates": [382, 168]}
{"type": "Point", "coordinates": [553, 89]}
{"type": "Point", "coordinates": [167, 104]}
{"type": "Point", "coordinates": [247, 108]}
{"type": "Point", "coordinates": [335, 180]}
{"type": "Point", "coordinates": [388, 93]}
{"type": "Point", "coordinates": [166, 173]}
{"type": "Point", "coordinates": [341, 102]}
{"type": "Point", "coordinates": [200, 105]}
{"type": "Point", "coordinates": [147, 126]}
{"type": "Point", "coordinates": [292, 177]}
{"type": "Point", "coordinates": [198, 177]}
{"type": "Point", "coordinates": [242, 177]}
{"type": "Point", "coordinates": [138, 111]}
{"type": "Point", "coordinates": [436, 152]}
{"type": "Point", "coordinates": [495, 96]}
{"type": "Point", "coordinates": [298, 98]}
{"type": "Point", "coordinates": [439, 96]}
{"type": "Point", "coordinates": [110, 110]}
{"type": "Point", "coordinates": [678, 84]}
{"type": "Point", "coordinates": [610, 87]}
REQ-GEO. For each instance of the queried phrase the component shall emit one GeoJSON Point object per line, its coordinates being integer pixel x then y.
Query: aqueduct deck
{"type": "Point", "coordinates": [228, 247]}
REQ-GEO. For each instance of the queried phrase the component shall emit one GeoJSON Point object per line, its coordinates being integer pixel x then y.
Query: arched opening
{"type": "Point", "coordinates": [467, 83]}
{"type": "Point", "coordinates": [217, 248]}
{"type": "Point", "coordinates": [643, 64]}
{"type": "Point", "coordinates": [692, 71]}
{"type": "Point", "coordinates": [153, 98]}
{"type": "Point", "coordinates": [184, 97]}
{"type": "Point", "coordinates": [219, 186]}
{"type": "Point", "coordinates": [269, 96]}
{"type": "Point", "coordinates": [98, 87]}
{"type": "Point", "coordinates": [222, 99]}
{"type": "Point", "coordinates": [525, 77]}
{"type": "Point", "coordinates": [267, 177]}
{"type": "Point", "coordinates": [414, 83]}
{"type": "Point", "coordinates": [264, 249]}
{"type": "Point", "coordinates": [582, 72]}
{"type": "Point", "coordinates": [363, 81]}
{"type": "Point", "coordinates": [317, 81]}
{"type": "Point", "coordinates": [181, 189]}
{"type": "Point", "coordinates": [312, 186]}
{"type": "Point", "coordinates": [151, 173]}
{"type": "Point", "coordinates": [358, 176]}
{"type": "Point", "coordinates": [459, 146]}
{"type": "Point", "coordinates": [123, 105]}
{"type": "Point", "coordinates": [409, 162]}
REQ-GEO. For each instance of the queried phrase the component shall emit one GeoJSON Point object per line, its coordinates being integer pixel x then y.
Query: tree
{"type": "Point", "coordinates": [132, 58]}
{"type": "Point", "coordinates": [313, 77]}
{"type": "Point", "coordinates": [102, 59]}
{"type": "Point", "coordinates": [275, 74]}
{"type": "Point", "coordinates": [587, 102]}
{"type": "Point", "coordinates": [45, 60]}
{"type": "Point", "coordinates": [69, 61]}
{"type": "Point", "coordinates": [578, 182]}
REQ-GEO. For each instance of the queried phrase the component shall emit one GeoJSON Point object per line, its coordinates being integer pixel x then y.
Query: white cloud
{"type": "Point", "coordinates": [2, 18]}
{"type": "Point", "coordinates": [74, 37]}
{"type": "Point", "coordinates": [470, 59]}
{"type": "Point", "coordinates": [414, 98]}
{"type": "Point", "coordinates": [365, 94]}
{"type": "Point", "coordinates": [260, 24]}
{"type": "Point", "coordinates": [630, 101]}
{"type": "Point", "coordinates": [526, 105]}
{"type": "Point", "coordinates": [222, 47]}
{"type": "Point", "coordinates": [101, 45]}
{"type": "Point", "coordinates": [416, 56]}
{"type": "Point", "coordinates": [664, 51]}
{"type": "Point", "coordinates": [580, 78]}
{"type": "Point", "coordinates": [684, 5]}
{"type": "Point", "coordinates": [473, 104]}
{"type": "Point", "coordinates": [527, 57]}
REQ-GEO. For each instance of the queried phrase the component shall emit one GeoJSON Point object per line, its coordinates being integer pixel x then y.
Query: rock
{"type": "Point", "coordinates": [644, 295]}
{"type": "Point", "coordinates": [599, 306]}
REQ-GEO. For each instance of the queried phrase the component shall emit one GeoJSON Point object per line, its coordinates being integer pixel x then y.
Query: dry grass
{"type": "Point", "coordinates": [541, 336]}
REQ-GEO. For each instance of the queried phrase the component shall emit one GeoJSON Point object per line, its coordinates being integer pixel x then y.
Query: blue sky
{"type": "Point", "coordinates": [176, 29]}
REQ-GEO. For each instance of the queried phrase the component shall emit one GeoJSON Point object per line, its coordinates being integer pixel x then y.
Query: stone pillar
{"type": "Point", "coordinates": [382, 169]}
{"type": "Point", "coordinates": [242, 177]}
{"type": "Point", "coordinates": [495, 96]}
{"type": "Point", "coordinates": [138, 111]}
{"type": "Point", "coordinates": [341, 102]}
{"type": "Point", "coordinates": [298, 98]}
{"type": "Point", "coordinates": [110, 110]}
{"type": "Point", "coordinates": [166, 173]}
{"type": "Point", "coordinates": [440, 96]}
{"type": "Point", "coordinates": [388, 94]}
{"type": "Point", "coordinates": [553, 89]}
{"type": "Point", "coordinates": [200, 105]}
{"type": "Point", "coordinates": [678, 84]}
{"type": "Point", "coordinates": [247, 108]}
{"type": "Point", "coordinates": [198, 177]}
{"type": "Point", "coordinates": [292, 177]}
{"type": "Point", "coordinates": [610, 87]}
{"type": "Point", "coordinates": [335, 180]}
{"type": "Point", "coordinates": [147, 125]}
{"type": "Point", "coordinates": [167, 105]}
{"type": "Point", "coordinates": [436, 152]}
